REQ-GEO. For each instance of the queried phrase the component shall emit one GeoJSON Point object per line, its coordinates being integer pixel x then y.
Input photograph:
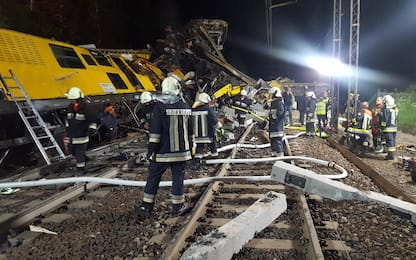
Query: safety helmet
{"type": "Point", "coordinates": [310, 94]}
{"type": "Point", "coordinates": [170, 85]}
{"type": "Point", "coordinates": [388, 100]}
{"type": "Point", "coordinates": [145, 97]}
{"type": "Point", "coordinates": [277, 93]}
{"type": "Point", "coordinates": [74, 93]}
{"type": "Point", "coordinates": [243, 92]}
{"type": "Point", "coordinates": [364, 104]}
{"type": "Point", "coordinates": [204, 98]}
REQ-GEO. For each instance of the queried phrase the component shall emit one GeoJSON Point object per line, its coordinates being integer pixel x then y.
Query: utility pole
{"type": "Point", "coordinates": [269, 19]}
{"type": "Point", "coordinates": [336, 54]}
{"type": "Point", "coordinates": [354, 52]}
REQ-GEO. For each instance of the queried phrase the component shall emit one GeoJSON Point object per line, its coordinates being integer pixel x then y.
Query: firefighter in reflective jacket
{"type": "Point", "coordinates": [80, 120]}
{"type": "Point", "coordinates": [310, 114]}
{"type": "Point", "coordinates": [170, 145]}
{"type": "Point", "coordinates": [243, 102]}
{"type": "Point", "coordinates": [276, 123]}
{"type": "Point", "coordinates": [321, 113]}
{"type": "Point", "coordinates": [205, 124]}
{"type": "Point", "coordinates": [388, 122]}
{"type": "Point", "coordinates": [361, 128]}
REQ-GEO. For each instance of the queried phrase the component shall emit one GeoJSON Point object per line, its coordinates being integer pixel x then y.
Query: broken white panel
{"type": "Point", "coordinates": [310, 182]}
{"type": "Point", "coordinates": [227, 240]}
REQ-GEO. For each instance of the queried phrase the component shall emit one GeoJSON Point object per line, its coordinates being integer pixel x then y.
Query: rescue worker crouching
{"type": "Point", "coordinates": [170, 144]}
{"type": "Point", "coordinates": [388, 122]}
{"type": "Point", "coordinates": [109, 123]}
{"type": "Point", "coordinates": [310, 114]}
{"type": "Point", "coordinates": [244, 103]}
{"type": "Point", "coordinates": [205, 125]}
{"type": "Point", "coordinates": [361, 130]}
{"type": "Point", "coordinates": [80, 121]}
{"type": "Point", "coordinates": [276, 123]}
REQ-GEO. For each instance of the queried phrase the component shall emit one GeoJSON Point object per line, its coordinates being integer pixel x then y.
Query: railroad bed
{"type": "Point", "coordinates": [100, 223]}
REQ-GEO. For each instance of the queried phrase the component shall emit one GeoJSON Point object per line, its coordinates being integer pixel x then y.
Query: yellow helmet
{"type": "Point", "coordinates": [74, 93]}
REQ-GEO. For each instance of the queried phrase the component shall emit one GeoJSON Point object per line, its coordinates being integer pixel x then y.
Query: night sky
{"type": "Point", "coordinates": [387, 39]}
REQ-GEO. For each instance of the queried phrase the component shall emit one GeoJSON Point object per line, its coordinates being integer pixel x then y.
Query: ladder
{"type": "Point", "coordinates": [34, 123]}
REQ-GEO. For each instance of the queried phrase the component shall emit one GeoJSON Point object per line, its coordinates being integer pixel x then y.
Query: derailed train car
{"type": "Point", "coordinates": [46, 69]}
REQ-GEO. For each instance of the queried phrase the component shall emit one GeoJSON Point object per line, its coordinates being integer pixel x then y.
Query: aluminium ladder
{"type": "Point", "coordinates": [34, 123]}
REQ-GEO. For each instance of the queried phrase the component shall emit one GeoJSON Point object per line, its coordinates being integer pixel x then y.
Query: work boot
{"type": "Point", "coordinates": [179, 209]}
{"type": "Point", "coordinates": [144, 210]}
{"type": "Point", "coordinates": [80, 172]}
{"type": "Point", "coordinates": [389, 157]}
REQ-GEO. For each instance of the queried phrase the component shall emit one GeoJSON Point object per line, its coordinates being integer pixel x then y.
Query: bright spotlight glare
{"type": "Point", "coordinates": [329, 66]}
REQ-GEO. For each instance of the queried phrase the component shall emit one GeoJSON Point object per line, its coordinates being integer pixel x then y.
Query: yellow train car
{"type": "Point", "coordinates": [47, 68]}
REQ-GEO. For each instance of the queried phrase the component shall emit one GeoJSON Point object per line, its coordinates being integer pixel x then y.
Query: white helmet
{"type": "Point", "coordinates": [145, 97]}
{"type": "Point", "coordinates": [74, 93]}
{"type": "Point", "coordinates": [170, 85]}
{"type": "Point", "coordinates": [204, 98]}
{"type": "Point", "coordinates": [277, 93]}
{"type": "Point", "coordinates": [243, 92]}
{"type": "Point", "coordinates": [389, 101]}
{"type": "Point", "coordinates": [310, 94]}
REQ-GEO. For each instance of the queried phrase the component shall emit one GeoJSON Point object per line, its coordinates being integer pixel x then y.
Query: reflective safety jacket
{"type": "Point", "coordinates": [205, 122]}
{"type": "Point", "coordinates": [79, 119]}
{"type": "Point", "coordinates": [276, 118]}
{"type": "Point", "coordinates": [321, 108]}
{"type": "Point", "coordinates": [388, 119]}
{"type": "Point", "coordinates": [171, 131]}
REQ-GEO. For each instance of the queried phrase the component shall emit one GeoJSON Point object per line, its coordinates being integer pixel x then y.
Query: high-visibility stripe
{"type": "Point", "coordinates": [79, 140]}
{"type": "Point", "coordinates": [185, 132]}
{"type": "Point", "coordinates": [80, 164]}
{"type": "Point", "coordinates": [149, 198]}
{"type": "Point", "coordinates": [276, 134]}
{"type": "Point", "coordinates": [203, 140]}
{"type": "Point", "coordinates": [173, 157]}
{"type": "Point", "coordinates": [154, 138]}
{"type": "Point", "coordinates": [177, 199]}
{"type": "Point", "coordinates": [174, 134]}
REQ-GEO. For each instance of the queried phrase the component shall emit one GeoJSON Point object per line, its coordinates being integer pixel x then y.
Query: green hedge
{"type": "Point", "coordinates": [406, 102]}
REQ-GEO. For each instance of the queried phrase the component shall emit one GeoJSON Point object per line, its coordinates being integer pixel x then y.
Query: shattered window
{"type": "Point", "coordinates": [100, 58]}
{"type": "Point", "coordinates": [66, 57]}
{"type": "Point", "coordinates": [88, 59]}
{"type": "Point", "coordinates": [117, 81]}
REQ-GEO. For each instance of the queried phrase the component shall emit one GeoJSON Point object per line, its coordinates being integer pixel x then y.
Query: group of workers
{"type": "Point", "coordinates": [179, 132]}
{"type": "Point", "coordinates": [374, 129]}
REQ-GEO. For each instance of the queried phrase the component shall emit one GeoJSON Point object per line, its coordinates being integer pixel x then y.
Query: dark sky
{"type": "Point", "coordinates": [387, 38]}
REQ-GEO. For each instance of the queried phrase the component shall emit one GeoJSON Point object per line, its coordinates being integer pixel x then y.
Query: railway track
{"type": "Point", "coordinates": [310, 228]}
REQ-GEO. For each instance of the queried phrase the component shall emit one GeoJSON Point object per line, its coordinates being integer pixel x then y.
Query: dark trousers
{"type": "Point", "coordinates": [390, 138]}
{"type": "Point", "coordinates": [156, 170]}
{"type": "Point", "coordinates": [302, 117]}
{"type": "Point", "coordinates": [310, 128]}
{"type": "Point", "coordinates": [276, 144]}
{"type": "Point", "coordinates": [78, 151]}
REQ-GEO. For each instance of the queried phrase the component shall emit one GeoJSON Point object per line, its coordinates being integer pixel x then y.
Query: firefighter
{"type": "Point", "coordinates": [244, 103]}
{"type": "Point", "coordinates": [205, 125]}
{"type": "Point", "coordinates": [378, 141]}
{"type": "Point", "coordinates": [145, 111]}
{"type": "Point", "coordinates": [276, 123]}
{"type": "Point", "coordinates": [170, 145]}
{"type": "Point", "coordinates": [388, 122]}
{"type": "Point", "coordinates": [109, 123]}
{"type": "Point", "coordinates": [321, 111]}
{"type": "Point", "coordinates": [80, 121]}
{"type": "Point", "coordinates": [361, 129]}
{"type": "Point", "coordinates": [310, 114]}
